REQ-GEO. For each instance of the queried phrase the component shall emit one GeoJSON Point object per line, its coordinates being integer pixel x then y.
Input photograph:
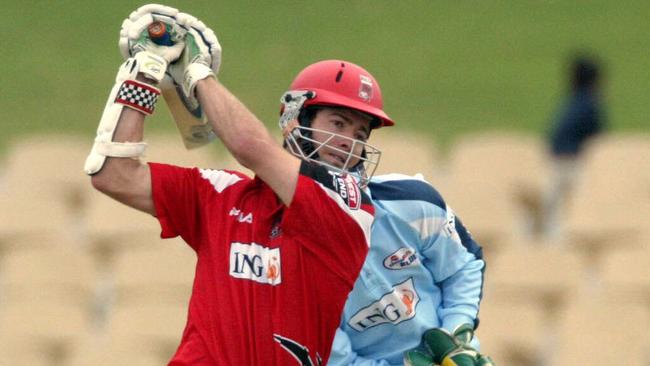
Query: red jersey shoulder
{"type": "Point", "coordinates": [342, 183]}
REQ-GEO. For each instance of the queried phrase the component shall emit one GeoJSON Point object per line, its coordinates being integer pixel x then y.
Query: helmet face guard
{"type": "Point", "coordinates": [335, 84]}
{"type": "Point", "coordinates": [299, 141]}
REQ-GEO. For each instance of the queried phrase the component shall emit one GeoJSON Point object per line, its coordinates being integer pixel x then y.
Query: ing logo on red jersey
{"type": "Point", "coordinates": [256, 263]}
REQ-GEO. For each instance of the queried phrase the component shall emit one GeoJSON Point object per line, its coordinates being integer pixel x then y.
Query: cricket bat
{"type": "Point", "coordinates": [192, 124]}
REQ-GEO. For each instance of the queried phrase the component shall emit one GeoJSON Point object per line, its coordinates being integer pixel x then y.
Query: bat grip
{"type": "Point", "coordinates": [158, 34]}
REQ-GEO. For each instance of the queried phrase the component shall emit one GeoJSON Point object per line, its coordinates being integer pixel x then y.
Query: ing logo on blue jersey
{"type": "Point", "coordinates": [402, 258]}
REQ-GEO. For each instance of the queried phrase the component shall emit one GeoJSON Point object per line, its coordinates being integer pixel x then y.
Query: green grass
{"type": "Point", "coordinates": [445, 68]}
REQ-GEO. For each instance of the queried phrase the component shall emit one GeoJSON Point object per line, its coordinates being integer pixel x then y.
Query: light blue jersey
{"type": "Point", "coordinates": [423, 271]}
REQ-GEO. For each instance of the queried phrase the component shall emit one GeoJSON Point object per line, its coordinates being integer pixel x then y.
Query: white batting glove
{"type": "Point", "coordinates": [134, 36]}
{"type": "Point", "coordinates": [200, 59]}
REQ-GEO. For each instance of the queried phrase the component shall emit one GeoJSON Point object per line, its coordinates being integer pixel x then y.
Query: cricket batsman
{"type": "Point", "coordinates": [277, 253]}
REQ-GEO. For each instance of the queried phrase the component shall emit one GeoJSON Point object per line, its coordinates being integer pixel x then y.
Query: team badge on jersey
{"type": "Point", "coordinates": [347, 188]}
{"type": "Point", "coordinates": [255, 262]}
{"type": "Point", "coordinates": [402, 258]}
{"type": "Point", "coordinates": [394, 307]}
{"type": "Point", "coordinates": [298, 351]}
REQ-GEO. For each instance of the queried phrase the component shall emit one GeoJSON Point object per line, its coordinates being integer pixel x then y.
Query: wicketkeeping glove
{"type": "Point", "coordinates": [134, 36]}
{"type": "Point", "coordinates": [439, 347]}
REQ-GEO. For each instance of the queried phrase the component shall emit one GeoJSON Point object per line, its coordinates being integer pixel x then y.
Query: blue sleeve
{"type": "Point", "coordinates": [456, 263]}
{"type": "Point", "coordinates": [343, 355]}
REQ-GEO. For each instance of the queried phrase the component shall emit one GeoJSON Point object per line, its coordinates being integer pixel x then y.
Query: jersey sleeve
{"type": "Point", "coordinates": [449, 252]}
{"type": "Point", "coordinates": [331, 210]}
{"type": "Point", "coordinates": [179, 194]}
{"type": "Point", "coordinates": [456, 263]}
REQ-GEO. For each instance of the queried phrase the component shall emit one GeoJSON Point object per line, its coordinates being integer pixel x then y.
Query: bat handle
{"type": "Point", "coordinates": [158, 34]}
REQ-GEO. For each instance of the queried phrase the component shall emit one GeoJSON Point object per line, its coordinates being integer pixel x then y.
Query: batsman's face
{"type": "Point", "coordinates": [338, 128]}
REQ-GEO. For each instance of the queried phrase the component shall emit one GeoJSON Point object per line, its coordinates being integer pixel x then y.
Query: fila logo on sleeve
{"type": "Point", "coordinates": [256, 263]}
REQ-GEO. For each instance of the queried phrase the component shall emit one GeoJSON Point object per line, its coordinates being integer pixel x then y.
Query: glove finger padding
{"type": "Point", "coordinates": [417, 357]}
{"type": "Point", "coordinates": [447, 350]}
{"type": "Point", "coordinates": [134, 36]}
{"type": "Point", "coordinates": [485, 361]}
{"type": "Point", "coordinates": [208, 49]}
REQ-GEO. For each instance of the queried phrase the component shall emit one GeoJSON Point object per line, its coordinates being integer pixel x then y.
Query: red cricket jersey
{"type": "Point", "coordinates": [271, 280]}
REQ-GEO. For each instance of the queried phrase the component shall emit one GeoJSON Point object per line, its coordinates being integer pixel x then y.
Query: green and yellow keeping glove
{"type": "Point", "coordinates": [439, 347]}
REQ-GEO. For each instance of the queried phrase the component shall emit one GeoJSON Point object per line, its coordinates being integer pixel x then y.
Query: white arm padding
{"type": "Point", "coordinates": [153, 67]}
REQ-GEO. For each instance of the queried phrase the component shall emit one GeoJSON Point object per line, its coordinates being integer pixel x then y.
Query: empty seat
{"type": "Point", "coordinates": [405, 153]}
{"type": "Point", "coordinates": [611, 202]}
{"type": "Point", "coordinates": [626, 275]}
{"type": "Point", "coordinates": [152, 288]}
{"type": "Point", "coordinates": [492, 179]}
{"type": "Point", "coordinates": [602, 331]}
{"type": "Point", "coordinates": [60, 269]}
{"type": "Point", "coordinates": [511, 332]}
{"type": "Point", "coordinates": [23, 213]}
{"type": "Point", "coordinates": [503, 160]}
{"type": "Point", "coordinates": [110, 219]}
{"type": "Point", "coordinates": [541, 274]}
{"type": "Point", "coordinates": [49, 320]}
{"type": "Point", "coordinates": [47, 296]}
{"type": "Point", "coordinates": [162, 273]}
{"type": "Point", "coordinates": [49, 166]}
{"type": "Point", "coordinates": [151, 328]}
{"type": "Point", "coordinates": [101, 351]}
{"type": "Point", "coordinates": [25, 352]}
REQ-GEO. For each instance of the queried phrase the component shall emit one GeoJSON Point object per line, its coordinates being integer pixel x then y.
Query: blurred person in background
{"type": "Point", "coordinates": [581, 117]}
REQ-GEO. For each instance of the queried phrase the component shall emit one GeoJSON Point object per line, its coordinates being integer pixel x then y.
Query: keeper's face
{"type": "Point", "coordinates": [342, 131]}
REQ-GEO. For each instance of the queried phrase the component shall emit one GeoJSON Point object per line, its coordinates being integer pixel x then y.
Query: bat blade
{"type": "Point", "coordinates": [193, 127]}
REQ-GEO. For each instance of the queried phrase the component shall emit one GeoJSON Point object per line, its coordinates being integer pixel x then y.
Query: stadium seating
{"type": "Point", "coordinates": [99, 351]}
{"type": "Point", "coordinates": [162, 272]}
{"type": "Point", "coordinates": [47, 292]}
{"type": "Point", "coordinates": [600, 330]}
{"type": "Point", "coordinates": [540, 274]}
{"type": "Point", "coordinates": [512, 333]}
{"type": "Point", "coordinates": [420, 155]}
{"type": "Point", "coordinates": [112, 220]}
{"type": "Point", "coordinates": [84, 278]}
{"type": "Point", "coordinates": [49, 166]}
{"type": "Point", "coordinates": [611, 202]}
{"type": "Point", "coordinates": [492, 180]}
{"type": "Point", "coordinates": [25, 352]}
{"type": "Point", "coordinates": [626, 275]}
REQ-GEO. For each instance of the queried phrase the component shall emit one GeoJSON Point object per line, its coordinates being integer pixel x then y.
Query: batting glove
{"type": "Point", "coordinates": [134, 35]}
{"type": "Point", "coordinates": [201, 57]}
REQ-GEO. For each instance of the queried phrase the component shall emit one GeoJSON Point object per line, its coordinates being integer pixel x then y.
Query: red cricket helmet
{"type": "Point", "coordinates": [343, 84]}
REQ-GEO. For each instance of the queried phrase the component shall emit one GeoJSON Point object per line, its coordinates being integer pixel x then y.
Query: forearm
{"type": "Point", "coordinates": [238, 128]}
{"type": "Point", "coordinates": [121, 178]}
{"type": "Point", "coordinates": [127, 179]}
{"type": "Point", "coordinates": [248, 139]}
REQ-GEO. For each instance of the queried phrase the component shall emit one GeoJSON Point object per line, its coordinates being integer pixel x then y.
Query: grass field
{"type": "Point", "coordinates": [445, 68]}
